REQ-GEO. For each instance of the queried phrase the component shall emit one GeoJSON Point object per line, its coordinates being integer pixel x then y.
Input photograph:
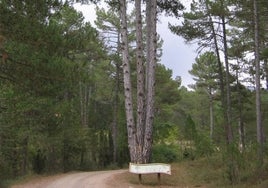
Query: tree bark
{"type": "Point", "coordinates": [140, 135]}
{"type": "Point", "coordinates": [127, 83]}
{"type": "Point", "coordinates": [84, 92]}
{"type": "Point", "coordinates": [140, 82]}
{"type": "Point", "coordinates": [150, 77]}
{"type": "Point", "coordinates": [114, 128]}
{"type": "Point", "coordinates": [116, 102]}
{"type": "Point", "coordinates": [229, 132]}
{"type": "Point", "coordinates": [233, 167]}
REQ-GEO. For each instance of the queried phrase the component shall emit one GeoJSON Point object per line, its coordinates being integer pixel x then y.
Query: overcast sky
{"type": "Point", "coordinates": [177, 56]}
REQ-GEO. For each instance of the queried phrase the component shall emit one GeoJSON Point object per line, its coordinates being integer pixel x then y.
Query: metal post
{"type": "Point", "coordinates": [140, 178]}
{"type": "Point", "coordinates": [159, 178]}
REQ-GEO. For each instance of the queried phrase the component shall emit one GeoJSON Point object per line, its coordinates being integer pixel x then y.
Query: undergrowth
{"type": "Point", "coordinates": [208, 172]}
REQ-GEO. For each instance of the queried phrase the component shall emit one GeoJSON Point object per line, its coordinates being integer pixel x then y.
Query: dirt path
{"type": "Point", "coordinates": [100, 179]}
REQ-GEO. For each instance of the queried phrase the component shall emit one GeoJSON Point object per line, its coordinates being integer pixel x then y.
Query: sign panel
{"type": "Point", "coordinates": [150, 168]}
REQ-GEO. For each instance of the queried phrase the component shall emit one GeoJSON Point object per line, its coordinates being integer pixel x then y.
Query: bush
{"type": "Point", "coordinates": [164, 153]}
{"type": "Point", "coordinates": [204, 146]}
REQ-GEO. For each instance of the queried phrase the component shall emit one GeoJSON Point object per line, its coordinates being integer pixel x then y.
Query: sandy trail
{"type": "Point", "coordinates": [99, 179]}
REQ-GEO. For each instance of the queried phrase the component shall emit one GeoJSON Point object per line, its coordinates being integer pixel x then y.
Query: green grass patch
{"type": "Point", "coordinates": [207, 172]}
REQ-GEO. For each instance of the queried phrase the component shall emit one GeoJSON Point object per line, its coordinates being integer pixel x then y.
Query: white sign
{"type": "Point", "coordinates": [149, 168]}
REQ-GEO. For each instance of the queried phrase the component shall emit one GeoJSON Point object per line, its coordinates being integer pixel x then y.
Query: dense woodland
{"type": "Point", "coordinates": [62, 99]}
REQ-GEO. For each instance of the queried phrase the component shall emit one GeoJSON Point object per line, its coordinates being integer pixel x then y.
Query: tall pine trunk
{"type": "Point", "coordinates": [131, 129]}
{"type": "Point", "coordinates": [114, 125]}
{"type": "Point", "coordinates": [140, 81]}
{"type": "Point", "coordinates": [217, 51]}
{"type": "Point", "coordinates": [150, 77]}
{"type": "Point", "coordinates": [260, 135]}
{"type": "Point", "coordinates": [232, 161]}
{"type": "Point", "coordinates": [140, 135]}
{"type": "Point", "coordinates": [229, 131]}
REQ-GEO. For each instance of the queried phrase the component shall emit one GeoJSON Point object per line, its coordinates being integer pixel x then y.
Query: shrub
{"type": "Point", "coordinates": [164, 153]}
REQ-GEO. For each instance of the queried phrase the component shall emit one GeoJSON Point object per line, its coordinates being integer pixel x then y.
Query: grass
{"type": "Point", "coordinates": [204, 173]}
{"type": "Point", "coordinates": [201, 173]}
{"type": "Point", "coordinates": [184, 174]}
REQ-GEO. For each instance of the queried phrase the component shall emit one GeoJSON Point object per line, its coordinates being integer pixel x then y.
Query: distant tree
{"type": "Point", "coordinates": [51, 51]}
{"type": "Point", "coordinates": [108, 23]}
{"type": "Point", "coordinates": [253, 39]}
{"type": "Point", "coordinates": [206, 24]}
{"type": "Point", "coordinates": [205, 72]}
{"type": "Point", "coordinates": [200, 24]}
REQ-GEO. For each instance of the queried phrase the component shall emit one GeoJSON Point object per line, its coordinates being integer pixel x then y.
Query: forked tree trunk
{"type": "Point", "coordinates": [140, 135]}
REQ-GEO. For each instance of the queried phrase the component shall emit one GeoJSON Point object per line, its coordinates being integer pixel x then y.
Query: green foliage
{"type": "Point", "coordinates": [59, 86]}
{"type": "Point", "coordinates": [164, 153]}
{"type": "Point", "coordinates": [200, 143]}
{"type": "Point", "coordinates": [190, 131]}
{"type": "Point", "coordinates": [170, 7]}
{"type": "Point", "coordinates": [205, 70]}
{"type": "Point", "coordinates": [40, 94]}
{"type": "Point", "coordinates": [167, 89]}
{"type": "Point", "coordinates": [264, 53]}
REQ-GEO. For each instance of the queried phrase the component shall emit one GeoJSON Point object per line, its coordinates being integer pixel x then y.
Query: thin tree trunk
{"type": "Point", "coordinates": [127, 83]}
{"type": "Point", "coordinates": [85, 105]}
{"type": "Point", "coordinates": [150, 85]}
{"type": "Point", "coordinates": [232, 162]}
{"type": "Point", "coordinates": [211, 114]}
{"type": "Point", "coordinates": [84, 93]}
{"type": "Point", "coordinates": [241, 131]}
{"type": "Point", "coordinates": [229, 133]}
{"type": "Point", "coordinates": [258, 85]}
{"type": "Point", "coordinates": [220, 71]}
{"type": "Point", "coordinates": [116, 104]}
{"type": "Point", "coordinates": [81, 103]}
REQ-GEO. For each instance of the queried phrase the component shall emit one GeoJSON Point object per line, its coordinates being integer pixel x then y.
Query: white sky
{"type": "Point", "coordinates": [177, 56]}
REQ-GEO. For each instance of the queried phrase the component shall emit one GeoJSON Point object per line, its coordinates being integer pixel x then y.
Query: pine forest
{"type": "Point", "coordinates": [81, 96]}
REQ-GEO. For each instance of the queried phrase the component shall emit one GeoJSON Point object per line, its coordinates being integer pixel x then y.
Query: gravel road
{"type": "Point", "coordinates": [99, 179]}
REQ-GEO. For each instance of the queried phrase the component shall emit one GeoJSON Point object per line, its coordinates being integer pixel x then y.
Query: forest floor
{"type": "Point", "coordinates": [204, 173]}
